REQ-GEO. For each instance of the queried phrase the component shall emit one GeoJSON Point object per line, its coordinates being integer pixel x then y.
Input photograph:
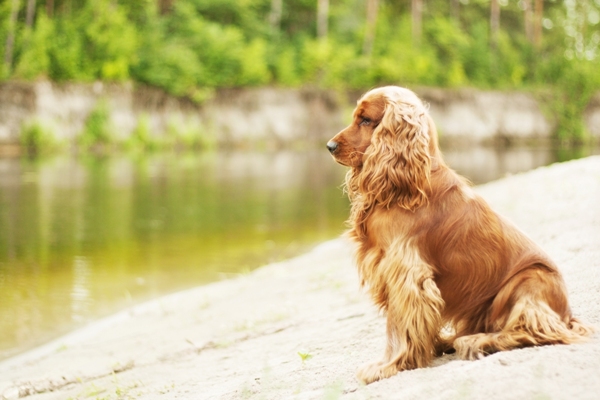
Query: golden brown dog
{"type": "Point", "coordinates": [432, 252]}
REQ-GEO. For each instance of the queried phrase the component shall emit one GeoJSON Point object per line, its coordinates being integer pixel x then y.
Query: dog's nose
{"type": "Point", "coordinates": [332, 146]}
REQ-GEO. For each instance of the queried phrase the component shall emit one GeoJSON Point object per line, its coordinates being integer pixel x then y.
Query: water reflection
{"type": "Point", "coordinates": [84, 237]}
{"type": "Point", "coordinates": [483, 164]}
{"type": "Point", "coordinates": [80, 293]}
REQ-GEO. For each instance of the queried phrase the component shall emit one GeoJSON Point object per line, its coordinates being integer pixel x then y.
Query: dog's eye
{"type": "Point", "coordinates": [364, 122]}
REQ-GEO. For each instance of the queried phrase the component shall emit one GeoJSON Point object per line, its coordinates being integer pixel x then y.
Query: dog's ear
{"type": "Point", "coordinates": [397, 164]}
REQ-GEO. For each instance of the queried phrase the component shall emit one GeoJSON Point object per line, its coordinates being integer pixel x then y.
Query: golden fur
{"type": "Point", "coordinates": [432, 252]}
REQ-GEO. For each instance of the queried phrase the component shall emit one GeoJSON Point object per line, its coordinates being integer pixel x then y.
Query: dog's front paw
{"type": "Point", "coordinates": [471, 347]}
{"type": "Point", "coordinates": [372, 372]}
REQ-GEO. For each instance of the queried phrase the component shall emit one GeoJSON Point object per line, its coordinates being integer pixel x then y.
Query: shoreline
{"type": "Point", "coordinates": [300, 328]}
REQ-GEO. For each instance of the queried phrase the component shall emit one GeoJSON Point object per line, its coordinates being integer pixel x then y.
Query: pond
{"type": "Point", "coordinates": [83, 237]}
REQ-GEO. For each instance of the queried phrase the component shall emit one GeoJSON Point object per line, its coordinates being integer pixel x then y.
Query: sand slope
{"type": "Point", "coordinates": [299, 329]}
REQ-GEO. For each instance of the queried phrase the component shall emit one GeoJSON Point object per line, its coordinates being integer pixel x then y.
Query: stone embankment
{"type": "Point", "coordinates": [270, 117]}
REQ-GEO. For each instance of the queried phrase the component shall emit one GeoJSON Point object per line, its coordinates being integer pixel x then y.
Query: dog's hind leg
{"type": "Point", "coordinates": [530, 310]}
{"type": "Point", "coordinates": [413, 307]}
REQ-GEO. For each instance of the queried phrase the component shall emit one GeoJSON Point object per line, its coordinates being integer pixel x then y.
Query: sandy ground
{"type": "Point", "coordinates": [299, 329]}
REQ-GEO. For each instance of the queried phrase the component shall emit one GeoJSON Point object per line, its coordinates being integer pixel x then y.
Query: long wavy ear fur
{"type": "Point", "coordinates": [396, 166]}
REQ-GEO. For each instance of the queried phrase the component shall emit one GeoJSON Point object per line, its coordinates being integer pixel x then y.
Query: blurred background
{"type": "Point", "coordinates": [149, 146]}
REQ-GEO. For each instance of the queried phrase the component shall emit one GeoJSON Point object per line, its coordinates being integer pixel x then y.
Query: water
{"type": "Point", "coordinates": [83, 237]}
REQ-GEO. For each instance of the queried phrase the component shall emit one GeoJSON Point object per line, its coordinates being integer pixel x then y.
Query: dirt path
{"type": "Point", "coordinates": [299, 329]}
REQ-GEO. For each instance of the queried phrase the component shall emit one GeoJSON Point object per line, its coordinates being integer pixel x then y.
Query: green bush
{"type": "Point", "coordinates": [448, 42]}
{"type": "Point", "coordinates": [177, 70]}
{"type": "Point", "coordinates": [37, 138]}
{"type": "Point", "coordinates": [110, 40]}
{"type": "Point", "coordinates": [185, 134]}
{"type": "Point", "coordinates": [477, 57]}
{"type": "Point", "coordinates": [286, 67]}
{"type": "Point", "coordinates": [326, 62]}
{"type": "Point", "coordinates": [140, 138]}
{"type": "Point", "coordinates": [396, 60]}
{"type": "Point", "coordinates": [35, 58]}
{"type": "Point", "coordinates": [97, 130]}
{"type": "Point", "coordinates": [255, 70]}
{"type": "Point", "coordinates": [510, 62]}
{"type": "Point", "coordinates": [67, 53]}
{"type": "Point", "coordinates": [577, 86]}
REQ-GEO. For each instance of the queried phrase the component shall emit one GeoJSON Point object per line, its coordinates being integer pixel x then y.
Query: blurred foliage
{"type": "Point", "coordinates": [97, 130]}
{"type": "Point", "coordinates": [181, 134]}
{"type": "Point", "coordinates": [191, 47]}
{"type": "Point", "coordinates": [141, 138]}
{"type": "Point", "coordinates": [37, 139]}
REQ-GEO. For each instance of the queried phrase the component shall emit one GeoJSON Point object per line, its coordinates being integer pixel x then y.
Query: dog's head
{"type": "Point", "coordinates": [389, 145]}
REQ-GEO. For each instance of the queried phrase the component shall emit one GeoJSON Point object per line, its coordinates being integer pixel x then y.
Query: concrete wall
{"type": "Point", "coordinates": [264, 115]}
{"type": "Point", "coordinates": [487, 115]}
{"type": "Point", "coordinates": [274, 116]}
{"type": "Point", "coordinates": [591, 116]}
{"type": "Point", "coordinates": [236, 117]}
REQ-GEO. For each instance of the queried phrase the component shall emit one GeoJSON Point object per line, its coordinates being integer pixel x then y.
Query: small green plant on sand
{"type": "Point", "coordinates": [304, 356]}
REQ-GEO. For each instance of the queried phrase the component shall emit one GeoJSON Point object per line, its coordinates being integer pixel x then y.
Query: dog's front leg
{"type": "Point", "coordinates": [414, 306]}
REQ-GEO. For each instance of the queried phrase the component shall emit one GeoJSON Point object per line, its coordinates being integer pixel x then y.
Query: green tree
{"type": "Point", "coordinates": [35, 57]}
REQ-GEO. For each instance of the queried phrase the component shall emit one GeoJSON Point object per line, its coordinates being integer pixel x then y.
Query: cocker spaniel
{"type": "Point", "coordinates": [431, 251]}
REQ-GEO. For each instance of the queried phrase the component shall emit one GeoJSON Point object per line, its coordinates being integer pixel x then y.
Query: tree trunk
{"type": "Point", "coordinates": [30, 13]}
{"type": "Point", "coordinates": [372, 9]}
{"type": "Point", "coordinates": [585, 11]}
{"type": "Point", "coordinates": [275, 15]}
{"type": "Point", "coordinates": [539, 14]}
{"type": "Point", "coordinates": [455, 9]}
{"type": "Point", "coordinates": [527, 9]}
{"type": "Point", "coordinates": [49, 8]}
{"type": "Point", "coordinates": [494, 23]}
{"type": "Point", "coordinates": [10, 37]}
{"type": "Point", "coordinates": [417, 15]}
{"type": "Point", "coordinates": [322, 18]}
{"type": "Point", "coordinates": [165, 6]}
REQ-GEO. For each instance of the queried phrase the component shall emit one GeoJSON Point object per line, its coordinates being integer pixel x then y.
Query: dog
{"type": "Point", "coordinates": [432, 253]}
